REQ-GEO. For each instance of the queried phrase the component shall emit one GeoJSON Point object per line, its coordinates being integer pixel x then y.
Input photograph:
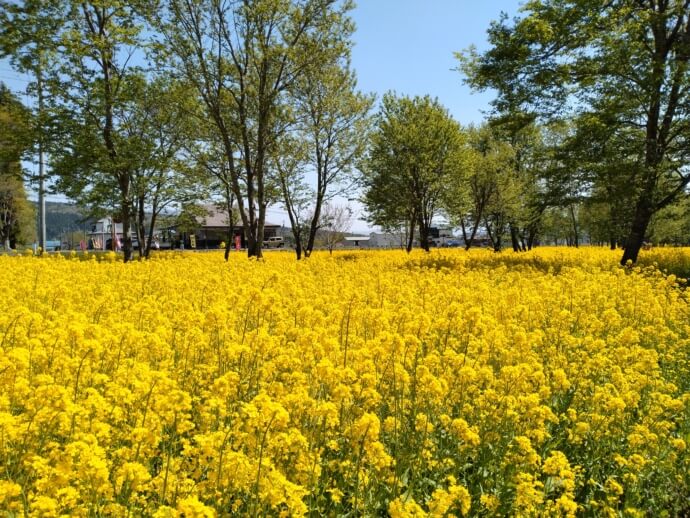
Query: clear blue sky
{"type": "Point", "coordinates": [408, 45]}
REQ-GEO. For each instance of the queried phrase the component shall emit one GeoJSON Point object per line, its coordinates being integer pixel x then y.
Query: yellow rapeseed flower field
{"type": "Point", "coordinates": [550, 383]}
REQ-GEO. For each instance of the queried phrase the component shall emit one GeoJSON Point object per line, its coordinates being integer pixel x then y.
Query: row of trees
{"type": "Point", "coordinates": [422, 164]}
{"type": "Point", "coordinates": [142, 105]}
{"type": "Point", "coordinates": [521, 183]}
{"type": "Point", "coordinates": [591, 126]}
{"type": "Point", "coordinates": [145, 105]}
{"type": "Point", "coordinates": [618, 74]}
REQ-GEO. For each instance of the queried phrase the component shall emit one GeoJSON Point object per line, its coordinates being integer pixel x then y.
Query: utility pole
{"type": "Point", "coordinates": [41, 164]}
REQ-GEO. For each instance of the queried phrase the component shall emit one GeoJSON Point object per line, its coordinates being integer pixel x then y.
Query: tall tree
{"type": "Point", "coordinates": [623, 62]}
{"type": "Point", "coordinates": [474, 190]}
{"type": "Point", "coordinates": [334, 123]}
{"type": "Point", "coordinates": [30, 39]}
{"type": "Point", "coordinates": [244, 58]}
{"type": "Point", "coordinates": [158, 124]}
{"type": "Point", "coordinates": [415, 149]}
{"type": "Point", "coordinates": [100, 41]}
{"type": "Point", "coordinates": [296, 194]}
{"type": "Point", "coordinates": [16, 213]}
{"type": "Point", "coordinates": [529, 163]}
{"type": "Point", "coordinates": [206, 153]}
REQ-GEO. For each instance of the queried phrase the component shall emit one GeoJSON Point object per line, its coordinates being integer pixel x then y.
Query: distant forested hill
{"type": "Point", "coordinates": [62, 218]}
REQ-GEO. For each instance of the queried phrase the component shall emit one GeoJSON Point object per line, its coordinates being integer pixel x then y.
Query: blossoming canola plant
{"type": "Point", "coordinates": [451, 384]}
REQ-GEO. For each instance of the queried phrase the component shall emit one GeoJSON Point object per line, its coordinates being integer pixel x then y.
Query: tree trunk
{"type": "Point", "coordinates": [468, 244]}
{"type": "Point", "coordinates": [251, 244]}
{"type": "Point", "coordinates": [231, 234]}
{"type": "Point", "coordinates": [410, 237]}
{"type": "Point", "coordinates": [297, 234]}
{"type": "Point", "coordinates": [464, 230]}
{"type": "Point", "coordinates": [494, 237]}
{"type": "Point", "coordinates": [489, 233]}
{"type": "Point", "coordinates": [653, 153]}
{"type": "Point", "coordinates": [295, 225]}
{"type": "Point", "coordinates": [514, 238]}
{"type": "Point", "coordinates": [228, 242]}
{"type": "Point", "coordinates": [152, 227]}
{"type": "Point", "coordinates": [127, 233]}
{"type": "Point", "coordinates": [423, 235]}
{"type": "Point", "coordinates": [140, 226]}
{"type": "Point", "coordinates": [229, 200]}
{"type": "Point", "coordinates": [126, 214]}
{"type": "Point", "coordinates": [314, 224]}
{"type": "Point", "coordinates": [313, 227]}
{"type": "Point", "coordinates": [576, 236]}
{"type": "Point", "coordinates": [635, 239]}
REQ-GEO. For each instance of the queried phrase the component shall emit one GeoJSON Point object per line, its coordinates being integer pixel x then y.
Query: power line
{"type": "Point", "coordinates": [14, 75]}
{"type": "Point", "coordinates": [9, 79]}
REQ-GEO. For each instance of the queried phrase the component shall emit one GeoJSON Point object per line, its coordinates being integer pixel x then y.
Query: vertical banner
{"type": "Point", "coordinates": [238, 242]}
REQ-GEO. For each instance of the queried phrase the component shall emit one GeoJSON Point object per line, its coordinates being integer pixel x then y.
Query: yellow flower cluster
{"type": "Point", "coordinates": [550, 383]}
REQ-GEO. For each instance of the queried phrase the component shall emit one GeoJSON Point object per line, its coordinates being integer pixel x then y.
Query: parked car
{"type": "Point", "coordinates": [274, 242]}
{"type": "Point", "coordinates": [446, 242]}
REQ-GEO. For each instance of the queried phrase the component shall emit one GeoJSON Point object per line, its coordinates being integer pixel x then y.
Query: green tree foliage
{"type": "Point", "coordinates": [621, 65]}
{"type": "Point", "coordinates": [334, 123]}
{"type": "Point", "coordinates": [205, 153]}
{"type": "Point", "coordinates": [118, 130]}
{"type": "Point", "coordinates": [416, 148]}
{"type": "Point", "coordinates": [329, 134]}
{"type": "Point", "coordinates": [95, 155]}
{"type": "Point", "coordinates": [498, 187]}
{"type": "Point", "coordinates": [591, 167]}
{"type": "Point", "coordinates": [30, 39]}
{"type": "Point", "coordinates": [153, 127]}
{"type": "Point", "coordinates": [31, 35]}
{"type": "Point", "coordinates": [245, 59]}
{"type": "Point", "coordinates": [16, 212]}
{"type": "Point", "coordinates": [563, 225]}
{"type": "Point", "coordinates": [158, 127]}
{"type": "Point", "coordinates": [289, 164]}
{"type": "Point", "coordinates": [671, 225]}
{"type": "Point", "coordinates": [479, 194]}
{"type": "Point", "coordinates": [531, 161]}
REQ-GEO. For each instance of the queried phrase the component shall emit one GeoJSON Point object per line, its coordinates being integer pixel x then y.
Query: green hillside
{"type": "Point", "coordinates": [62, 218]}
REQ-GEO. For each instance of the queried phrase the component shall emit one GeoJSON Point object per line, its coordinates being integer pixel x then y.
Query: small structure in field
{"type": "Point", "coordinates": [357, 241]}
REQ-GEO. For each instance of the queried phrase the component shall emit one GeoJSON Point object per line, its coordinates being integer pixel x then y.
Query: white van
{"type": "Point", "coordinates": [274, 242]}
